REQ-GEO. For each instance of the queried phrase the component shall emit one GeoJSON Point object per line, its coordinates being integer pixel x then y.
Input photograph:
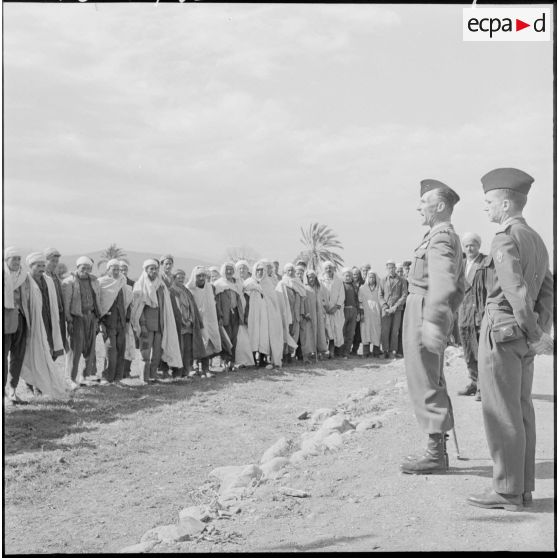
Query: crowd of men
{"type": "Point", "coordinates": [499, 306]}
{"type": "Point", "coordinates": [246, 317]}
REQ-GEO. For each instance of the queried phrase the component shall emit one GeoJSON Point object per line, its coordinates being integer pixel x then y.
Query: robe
{"type": "Point", "coordinates": [371, 324]}
{"type": "Point", "coordinates": [334, 293]}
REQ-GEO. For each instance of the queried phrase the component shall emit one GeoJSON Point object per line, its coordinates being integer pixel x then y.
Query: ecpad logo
{"type": "Point", "coordinates": [507, 24]}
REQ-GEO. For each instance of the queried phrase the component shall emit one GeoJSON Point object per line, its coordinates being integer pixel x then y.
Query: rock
{"type": "Point", "coordinates": [337, 422]}
{"type": "Point", "coordinates": [139, 548]}
{"type": "Point", "coordinates": [236, 476]}
{"type": "Point", "coordinates": [151, 535]}
{"type": "Point", "coordinates": [190, 526]}
{"type": "Point", "coordinates": [360, 395]}
{"type": "Point", "coordinates": [297, 457]}
{"type": "Point", "coordinates": [368, 423]}
{"type": "Point", "coordinates": [304, 416]}
{"type": "Point", "coordinates": [321, 414]}
{"type": "Point", "coordinates": [272, 468]}
{"type": "Point", "coordinates": [281, 448]}
{"type": "Point", "coordinates": [185, 530]}
{"type": "Point", "coordinates": [333, 442]}
{"type": "Point", "coordinates": [311, 446]}
{"type": "Point", "coordinates": [287, 491]}
{"type": "Point", "coordinates": [223, 473]}
{"type": "Point", "coordinates": [200, 513]}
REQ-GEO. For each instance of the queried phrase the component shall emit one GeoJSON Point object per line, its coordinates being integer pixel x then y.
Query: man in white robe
{"type": "Point", "coordinates": [334, 296]}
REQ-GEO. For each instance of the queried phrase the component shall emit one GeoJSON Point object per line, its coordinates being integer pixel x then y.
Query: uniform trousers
{"type": "Point", "coordinates": [82, 343]}
{"type": "Point", "coordinates": [391, 325]}
{"type": "Point", "coordinates": [506, 379]}
{"type": "Point", "coordinates": [150, 349]}
{"type": "Point", "coordinates": [115, 345]}
{"type": "Point", "coordinates": [14, 345]}
{"type": "Point", "coordinates": [425, 374]}
{"type": "Point", "coordinates": [469, 336]}
{"type": "Point", "coordinates": [349, 327]}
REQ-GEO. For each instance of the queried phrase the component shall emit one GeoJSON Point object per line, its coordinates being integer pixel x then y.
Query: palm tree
{"type": "Point", "coordinates": [112, 253]}
{"type": "Point", "coordinates": [320, 241]}
{"type": "Point", "coordinates": [236, 253]}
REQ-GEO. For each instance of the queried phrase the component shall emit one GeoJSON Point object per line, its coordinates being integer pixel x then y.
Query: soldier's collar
{"type": "Point", "coordinates": [440, 226]}
{"type": "Point", "coordinates": [510, 221]}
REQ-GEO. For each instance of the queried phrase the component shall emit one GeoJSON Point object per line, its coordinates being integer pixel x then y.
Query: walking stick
{"type": "Point", "coordinates": [455, 442]}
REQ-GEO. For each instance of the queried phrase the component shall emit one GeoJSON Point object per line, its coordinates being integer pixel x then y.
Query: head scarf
{"type": "Point", "coordinates": [149, 262]}
{"type": "Point", "coordinates": [167, 257]}
{"type": "Point", "coordinates": [12, 251]}
{"type": "Point", "coordinates": [112, 262]}
{"type": "Point", "coordinates": [34, 258]}
{"type": "Point", "coordinates": [293, 283]}
{"type": "Point", "coordinates": [12, 279]}
{"type": "Point", "coordinates": [84, 260]}
{"type": "Point", "coordinates": [145, 289]}
{"type": "Point", "coordinates": [122, 263]}
{"type": "Point", "coordinates": [51, 252]}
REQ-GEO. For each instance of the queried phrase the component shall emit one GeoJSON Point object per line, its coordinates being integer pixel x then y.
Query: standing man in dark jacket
{"type": "Point", "coordinates": [392, 293]}
{"type": "Point", "coordinates": [436, 286]}
{"type": "Point", "coordinates": [467, 315]}
{"type": "Point", "coordinates": [515, 327]}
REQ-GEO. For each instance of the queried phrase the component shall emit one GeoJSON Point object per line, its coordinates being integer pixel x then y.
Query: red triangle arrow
{"type": "Point", "coordinates": [519, 25]}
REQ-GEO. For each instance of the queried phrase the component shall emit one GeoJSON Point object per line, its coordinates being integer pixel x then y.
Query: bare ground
{"type": "Point", "coordinates": [94, 474]}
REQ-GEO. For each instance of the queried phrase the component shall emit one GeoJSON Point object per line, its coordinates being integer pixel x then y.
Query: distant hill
{"type": "Point", "coordinates": [135, 260]}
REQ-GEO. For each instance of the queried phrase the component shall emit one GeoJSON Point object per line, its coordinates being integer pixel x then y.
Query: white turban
{"type": "Point", "coordinates": [288, 265]}
{"type": "Point", "coordinates": [112, 262]}
{"type": "Point", "coordinates": [471, 236]}
{"type": "Point", "coordinates": [390, 262]}
{"type": "Point", "coordinates": [84, 260]}
{"type": "Point", "coordinates": [11, 251]}
{"type": "Point", "coordinates": [346, 269]}
{"type": "Point", "coordinates": [122, 262]}
{"type": "Point", "coordinates": [35, 257]}
{"type": "Point", "coordinates": [149, 262]}
{"type": "Point", "coordinates": [50, 252]}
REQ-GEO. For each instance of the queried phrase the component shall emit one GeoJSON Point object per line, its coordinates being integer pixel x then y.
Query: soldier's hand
{"type": "Point", "coordinates": [433, 338]}
{"type": "Point", "coordinates": [544, 346]}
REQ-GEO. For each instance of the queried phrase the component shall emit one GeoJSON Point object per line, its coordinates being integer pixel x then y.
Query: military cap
{"type": "Point", "coordinates": [430, 184]}
{"type": "Point", "coordinates": [512, 179]}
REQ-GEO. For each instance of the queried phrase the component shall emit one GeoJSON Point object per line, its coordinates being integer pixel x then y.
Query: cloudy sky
{"type": "Point", "coordinates": [190, 128]}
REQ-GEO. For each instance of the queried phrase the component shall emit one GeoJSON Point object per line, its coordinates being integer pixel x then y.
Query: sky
{"type": "Point", "coordinates": [192, 128]}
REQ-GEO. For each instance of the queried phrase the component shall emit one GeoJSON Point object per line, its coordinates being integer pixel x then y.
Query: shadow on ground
{"type": "Point", "coordinates": [38, 426]}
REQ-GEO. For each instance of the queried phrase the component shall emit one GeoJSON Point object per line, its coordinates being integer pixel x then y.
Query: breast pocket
{"type": "Point", "coordinates": [419, 264]}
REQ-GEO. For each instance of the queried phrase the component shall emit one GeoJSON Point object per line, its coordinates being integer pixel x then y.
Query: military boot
{"type": "Point", "coordinates": [434, 460]}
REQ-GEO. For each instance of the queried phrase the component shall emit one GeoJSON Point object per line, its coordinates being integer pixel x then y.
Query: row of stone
{"type": "Point", "coordinates": [329, 429]}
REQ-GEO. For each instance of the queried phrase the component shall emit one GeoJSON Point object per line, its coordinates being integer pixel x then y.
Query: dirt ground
{"type": "Point", "coordinates": [94, 474]}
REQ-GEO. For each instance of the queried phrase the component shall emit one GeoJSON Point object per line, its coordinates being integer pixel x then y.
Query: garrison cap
{"type": "Point", "coordinates": [510, 178]}
{"type": "Point", "coordinates": [430, 184]}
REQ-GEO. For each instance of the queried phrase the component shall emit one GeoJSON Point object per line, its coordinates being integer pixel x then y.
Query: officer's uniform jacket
{"type": "Point", "coordinates": [437, 273]}
{"type": "Point", "coordinates": [522, 284]}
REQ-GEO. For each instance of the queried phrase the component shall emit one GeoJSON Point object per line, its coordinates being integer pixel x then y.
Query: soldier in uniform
{"type": "Point", "coordinates": [436, 286]}
{"type": "Point", "coordinates": [515, 327]}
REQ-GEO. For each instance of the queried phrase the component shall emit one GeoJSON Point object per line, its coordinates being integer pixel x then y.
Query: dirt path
{"type": "Point", "coordinates": [95, 474]}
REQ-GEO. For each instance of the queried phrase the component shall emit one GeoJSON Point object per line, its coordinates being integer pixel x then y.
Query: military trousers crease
{"type": "Point", "coordinates": [425, 375]}
{"type": "Point", "coordinates": [506, 380]}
